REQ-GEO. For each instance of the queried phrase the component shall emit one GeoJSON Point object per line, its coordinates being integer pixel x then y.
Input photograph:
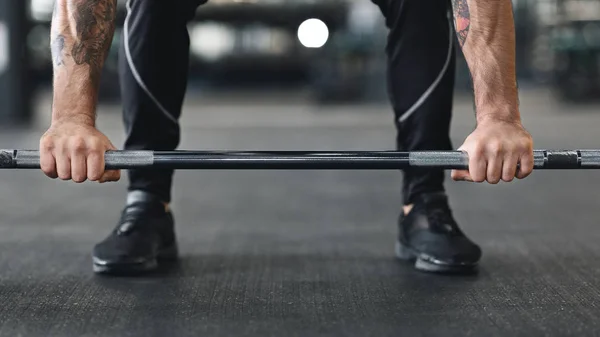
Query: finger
{"type": "Point", "coordinates": [111, 175]}
{"type": "Point", "coordinates": [63, 165]}
{"type": "Point", "coordinates": [95, 165]}
{"type": "Point", "coordinates": [477, 167]}
{"type": "Point", "coordinates": [461, 175]}
{"type": "Point", "coordinates": [111, 147]}
{"type": "Point", "coordinates": [526, 166]}
{"type": "Point", "coordinates": [509, 168]}
{"type": "Point", "coordinates": [78, 167]}
{"type": "Point", "coordinates": [78, 159]}
{"type": "Point", "coordinates": [48, 163]}
{"type": "Point", "coordinates": [494, 170]}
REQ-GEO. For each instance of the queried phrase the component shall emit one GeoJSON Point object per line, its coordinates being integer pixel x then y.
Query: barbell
{"type": "Point", "coordinates": [303, 160]}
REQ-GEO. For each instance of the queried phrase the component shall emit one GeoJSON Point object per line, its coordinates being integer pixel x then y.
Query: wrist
{"type": "Point", "coordinates": [506, 113]}
{"type": "Point", "coordinates": [79, 119]}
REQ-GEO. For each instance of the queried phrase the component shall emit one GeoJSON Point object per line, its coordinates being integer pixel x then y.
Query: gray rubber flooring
{"type": "Point", "coordinates": [307, 253]}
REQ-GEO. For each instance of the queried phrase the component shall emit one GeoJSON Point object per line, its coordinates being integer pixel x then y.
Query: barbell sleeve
{"type": "Point", "coordinates": [303, 160]}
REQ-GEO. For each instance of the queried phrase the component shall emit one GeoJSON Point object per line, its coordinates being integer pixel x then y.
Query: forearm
{"type": "Point", "coordinates": [486, 34]}
{"type": "Point", "coordinates": [81, 35]}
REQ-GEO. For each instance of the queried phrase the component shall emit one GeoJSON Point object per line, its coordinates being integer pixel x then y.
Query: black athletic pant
{"type": "Point", "coordinates": [154, 71]}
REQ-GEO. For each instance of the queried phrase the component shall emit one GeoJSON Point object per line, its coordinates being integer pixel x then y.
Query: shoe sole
{"type": "Point", "coordinates": [133, 268]}
{"type": "Point", "coordinates": [426, 263]}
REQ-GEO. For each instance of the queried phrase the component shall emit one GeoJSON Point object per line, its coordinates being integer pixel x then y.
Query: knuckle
{"type": "Point", "coordinates": [94, 176]}
{"type": "Point", "coordinates": [495, 147]}
{"type": "Point", "coordinates": [47, 168]}
{"type": "Point", "coordinates": [46, 144]}
{"type": "Point", "coordinates": [64, 176]}
{"type": "Point", "coordinates": [49, 172]}
{"type": "Point", "coordinates": [527, 144]}
{"type": "Point", "coordinates": [96, 152]}
{"type": "Point", "coordinates": [95, 144]}
{"type": "Point", "coordinates": [493, 177]}
{"type": "Point", "coordinates": [477, 177]}
{"type": "Point", "coordinates": [509, 174]}
{"type": "Point", "coordinates": [477, 150]}
{"type": "Point", "coordinates": [95, 172]}
{"type": "Point", "coordinates": [527, 168]}
{"type": "Point", "coordinates": [522, 175]}
{"type": "Point", "coordinates": [78, 144]}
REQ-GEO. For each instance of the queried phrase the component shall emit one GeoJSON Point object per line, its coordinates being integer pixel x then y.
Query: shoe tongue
{"type": "Point", "coordinates": [434, 198]}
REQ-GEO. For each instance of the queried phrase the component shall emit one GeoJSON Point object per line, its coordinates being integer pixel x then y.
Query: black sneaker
{"type": "Point", "coordinates": [430, 236]}
{"type": "Point", "coordinates": [145, 234]}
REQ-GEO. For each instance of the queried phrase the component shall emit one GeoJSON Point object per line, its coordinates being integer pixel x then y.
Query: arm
{"type": "Point", "coordinates": [81, 36]}
{"type": "Point", "coordinates": [486, 34]}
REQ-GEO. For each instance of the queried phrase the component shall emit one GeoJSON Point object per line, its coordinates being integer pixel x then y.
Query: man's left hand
{"type": "Point", "coordinates": [495, 149]}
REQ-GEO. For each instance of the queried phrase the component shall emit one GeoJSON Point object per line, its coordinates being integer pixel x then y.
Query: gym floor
{"type": "Point", "coordinates": [306, 253]}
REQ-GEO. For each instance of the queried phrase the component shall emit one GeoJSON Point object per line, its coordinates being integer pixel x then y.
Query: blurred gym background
{"type": "Point", "coordinates": [331, 50]}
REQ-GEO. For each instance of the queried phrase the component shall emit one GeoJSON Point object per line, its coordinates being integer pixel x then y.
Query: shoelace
{"type": "Point", "coordinates": [130, 219]}
{"type": "Point", "coordinates": [440, 218]}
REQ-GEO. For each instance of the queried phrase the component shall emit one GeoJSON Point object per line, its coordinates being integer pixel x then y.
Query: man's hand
{"type": "Point", "coordinates": [495, 148]}
{"type": "Point", "coordinates": [75, 150]}
{"type": "Point", "coordinates": [81, 35]}
{"type": "Point", "coordinates": [486, 33]}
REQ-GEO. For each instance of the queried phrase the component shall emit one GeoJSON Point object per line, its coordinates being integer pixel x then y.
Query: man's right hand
{"type": "Point", "coordinates": [75, 150]}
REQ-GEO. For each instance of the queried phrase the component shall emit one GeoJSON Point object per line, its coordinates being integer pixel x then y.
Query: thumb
{"type": "Point", "coordinates": [110, 146]}
{"type": "Point", "coordinates": [110, 175]}
{"type": "Point", "coordinates": [461, 175]}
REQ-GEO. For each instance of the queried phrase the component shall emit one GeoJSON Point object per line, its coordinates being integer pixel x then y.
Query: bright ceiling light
{"type": "Point", "coordinates": [313, 33]}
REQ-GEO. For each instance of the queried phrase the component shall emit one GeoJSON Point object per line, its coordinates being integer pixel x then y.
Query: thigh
{"type": "Point", "coordinates": [166, 12]}
{"type": "Point", "coordinates": [414, 13]}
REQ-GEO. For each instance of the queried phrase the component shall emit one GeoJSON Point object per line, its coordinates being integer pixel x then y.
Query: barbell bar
{"type": "Point", "coordinates": [303, 160]}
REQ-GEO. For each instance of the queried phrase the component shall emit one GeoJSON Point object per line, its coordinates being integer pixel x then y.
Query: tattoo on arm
{"type": "Point", "coordinates": [57, 46]}
{"type": "Point", "coordinates": [57, 43]}
{"type": "Point", "coordinates": [462, 19]}
{"type": "Point", "coordinates": [93, 24]}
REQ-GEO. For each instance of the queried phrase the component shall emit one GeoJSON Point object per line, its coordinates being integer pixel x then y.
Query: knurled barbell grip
{"type": "Point", "coordinates": [589, 159]}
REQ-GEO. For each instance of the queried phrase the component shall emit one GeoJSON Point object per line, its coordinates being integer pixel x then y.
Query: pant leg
{"type": "Point", "coordinates": [153, 66]}
{"type": "Point", "coordinates": [421, 70]}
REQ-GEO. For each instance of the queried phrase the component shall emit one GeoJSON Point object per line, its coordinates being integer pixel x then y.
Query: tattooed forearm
{"type": "Point", "coordinates": [81, 36]}
{"type": "Point", "coordinates": [95, 24]}
{"type": "Point", "coordinates": [83, 32]}
{"type": "Point", "coordinates": [462, 19]}
{"type": "Point", "coordinates": [486, 32]}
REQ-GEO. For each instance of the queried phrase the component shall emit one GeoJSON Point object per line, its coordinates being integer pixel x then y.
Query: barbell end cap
{"type": "Point", "coordinates": [7, 159]}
